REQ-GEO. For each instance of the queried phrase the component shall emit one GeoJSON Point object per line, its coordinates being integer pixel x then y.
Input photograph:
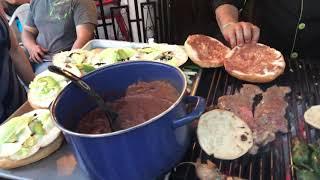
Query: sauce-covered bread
{"type": "Point", "coordinates": [205, 51]}
{"type": "Point", "coordinates": [255, 63]}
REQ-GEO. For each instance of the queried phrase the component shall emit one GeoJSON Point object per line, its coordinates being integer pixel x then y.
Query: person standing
{"type": "Point", "coordinates": [291, 26]}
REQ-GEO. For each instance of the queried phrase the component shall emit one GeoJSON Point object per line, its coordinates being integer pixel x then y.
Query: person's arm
{"type": "Point", "coordinates": [85, 32]}
{"type": "Point", "coordinates": [20, 60]}
{"type": "Point", "coordinates": [85, 19]}
{"type": "Point", "coordinates": [36, 52]}
{"type": "Point", "coordinates": [235, 32]}
{"type": "Point", "coordinates": [18, 2]}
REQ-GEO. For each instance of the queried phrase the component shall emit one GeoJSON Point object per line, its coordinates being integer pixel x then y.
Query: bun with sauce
{"type": "Point", "coordinates": [255, 63]}
{"type": "Point", "coordinates": [205, 51]}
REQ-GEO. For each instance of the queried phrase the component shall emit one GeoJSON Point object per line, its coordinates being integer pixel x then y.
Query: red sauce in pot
{"type": "Point", "coordinates": [142, 101]}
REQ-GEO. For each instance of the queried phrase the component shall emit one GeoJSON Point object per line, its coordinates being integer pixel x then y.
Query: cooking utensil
{"type": "Point", "coordinates": [142, 152]}
{"type": "Point", "coordinates": [111, 116]}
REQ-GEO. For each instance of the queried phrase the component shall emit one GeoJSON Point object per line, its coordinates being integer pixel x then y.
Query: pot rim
{"type": "Point", "coordinates": [63, 129]}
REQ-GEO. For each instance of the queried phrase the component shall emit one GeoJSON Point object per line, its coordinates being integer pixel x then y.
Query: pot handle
{"type": "Point", "coordinates": [196, 112]}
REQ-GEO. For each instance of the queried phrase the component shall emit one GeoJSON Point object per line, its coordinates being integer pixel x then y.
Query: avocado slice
{"type": "Point", "coordinates": [11, 128]}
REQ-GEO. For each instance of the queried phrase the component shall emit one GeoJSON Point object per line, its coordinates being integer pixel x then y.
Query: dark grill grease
{"type": "Point", "coordinates": [142, 101]}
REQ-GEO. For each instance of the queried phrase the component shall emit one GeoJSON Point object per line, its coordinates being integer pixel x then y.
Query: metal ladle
{"type": "Point", "coordinates": [111, 116]}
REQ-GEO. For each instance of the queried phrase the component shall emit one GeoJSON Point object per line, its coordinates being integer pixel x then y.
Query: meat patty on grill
{"type": "Point", "coordinates": [269, 114]}
{"type": "Point", "coordinates": [268, 117]}
{"type": "Point", "coordinates": [241, 103]}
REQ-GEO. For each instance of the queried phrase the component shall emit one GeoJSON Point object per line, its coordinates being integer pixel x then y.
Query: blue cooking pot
{"type": "Point", "coordinates": [141, 152]}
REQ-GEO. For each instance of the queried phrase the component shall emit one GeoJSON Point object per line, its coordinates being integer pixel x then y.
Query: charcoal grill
{"type": "Point", "coordinates": [274, 160]}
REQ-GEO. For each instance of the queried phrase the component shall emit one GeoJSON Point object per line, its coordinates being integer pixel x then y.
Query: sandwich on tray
{"type": "Point", "coordinates": [28, 138]}
{"type": "Point", "coordinates": [165, 53]}
{"type": "Point", "coordinates": [44, 89]}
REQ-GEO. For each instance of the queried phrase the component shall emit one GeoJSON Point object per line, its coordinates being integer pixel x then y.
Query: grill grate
{"type": "Point", "coordinates": [274, 160]}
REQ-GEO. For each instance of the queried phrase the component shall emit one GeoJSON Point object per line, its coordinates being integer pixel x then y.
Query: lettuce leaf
{"type": "Point", "coordinates": [13, 127]}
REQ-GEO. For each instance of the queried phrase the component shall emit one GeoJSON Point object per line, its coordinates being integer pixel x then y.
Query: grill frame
{"type": "Point", "coordinates": [274, 161]}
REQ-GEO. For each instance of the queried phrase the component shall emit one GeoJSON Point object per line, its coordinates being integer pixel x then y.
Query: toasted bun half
{"type": "Point", "coordinates": [42, 153]}
{"type": "Point", "coordinates": [205, 51]}
{"type": "Point", "coordinates": [312, 116]}
{"type": "Point", "coordinates": [255, 63]}
{"type": "Point", "coordinates": [224, 135]}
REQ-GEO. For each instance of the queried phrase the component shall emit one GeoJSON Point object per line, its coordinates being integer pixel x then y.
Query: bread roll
{"type": "Point", "coordinates": [224, 135]}
{"type": "Point", "coordinates": [205, 51]}
{"type": "Point", "coordinates": [255, 63]}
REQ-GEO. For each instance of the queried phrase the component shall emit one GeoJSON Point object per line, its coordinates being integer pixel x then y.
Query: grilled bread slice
{"type": "Point", "coordinates": [224, 135]}
{"type": "Point", "coordinates": [205, 51]}
{"type": "Point", "coordinates": [255, 63]}
{"type": "Point", "coordinates": [312, 116]}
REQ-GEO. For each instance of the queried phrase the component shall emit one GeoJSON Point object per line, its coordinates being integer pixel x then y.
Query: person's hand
{"type": "Point", "coordinates": [37, 53]}
{"type": "Point", "coordinates": [240, 33]}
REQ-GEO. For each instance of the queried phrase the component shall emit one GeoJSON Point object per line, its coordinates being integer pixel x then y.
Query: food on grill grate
{"type": "Point", "coordinates": [223, 134]}
{"type": "Point", "coordinates": [268, 115]}
{"type": "Point", "coordinates": [209, 171]}
{"type": "Point", "coordinates": [312, 116]}
{"type": "Point", "coordinates": [241, 103]}
{"type": "Point", "coordinates": [205, 51]}
{"type": "Point", "coordinates": [306, 160]}
{"type": "Point", "coordinates": [254, 63]}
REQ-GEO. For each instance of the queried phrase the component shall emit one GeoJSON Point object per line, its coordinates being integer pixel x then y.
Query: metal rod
{"type": "Point", "coordinates": [103, 19]}
{"type": "Point", "coordinates": [155, 23]}
{"type": "Point", "coordinates": [113, 23]}
{"type": "Point", "coordinates": [160, 13]}
{"type": "Point", "coordinates": [129, 22]}
{"type": "Point", "coordinates": [145, 36]}
{"type": "Point", "coordinates": [137, 17]}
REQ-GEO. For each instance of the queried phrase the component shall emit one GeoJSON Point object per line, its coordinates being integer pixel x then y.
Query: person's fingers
{"type": "Point", "coordinates": [39, 60]}
{"type": "Point", "coordinates": [31, 58]}
{"type": "Point", "coordinates": [247, 33]}
{"type": "Point", "coordinates": [40, 53]}
{"type": "Point", "coordinates": [37, 57]}
{"type": "Point", "coordinates": [255, 34]}
{"type": "Point", "coordinates": [239, 35]}
{"type": "Point", "coordinates": [44, 49]}
{"type": "Point", "coordinates": [232, 38]}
